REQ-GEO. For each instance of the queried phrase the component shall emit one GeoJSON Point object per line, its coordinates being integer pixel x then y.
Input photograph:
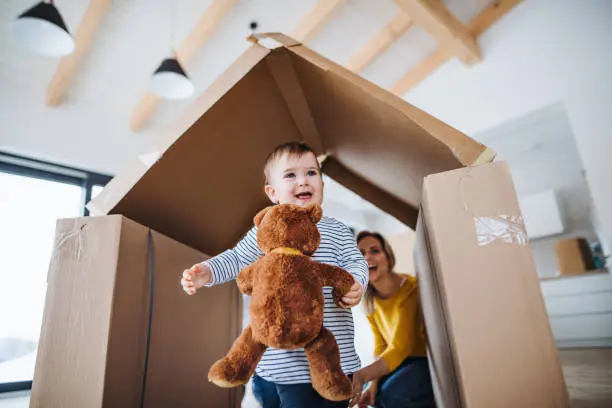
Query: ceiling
{"type": "Point", "coordinates": [90, 129]}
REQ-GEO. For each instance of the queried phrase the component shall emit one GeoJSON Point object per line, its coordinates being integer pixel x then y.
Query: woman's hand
{"type": "Point", "coordinates": [368, 397]}
{"type": "Point", "coordinates": [373, 373]}
{"type": "Point", "coordinates": [358, 382]}
{"type": "Point", "coordinates": [365, 398]}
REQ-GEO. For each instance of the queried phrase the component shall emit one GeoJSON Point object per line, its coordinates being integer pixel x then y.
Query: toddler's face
{"type": "Point", "coordinates": [295, 180]}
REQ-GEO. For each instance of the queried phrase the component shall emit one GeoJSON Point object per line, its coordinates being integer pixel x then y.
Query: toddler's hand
{"type": "Point", "coordinates": [352, 297]}
{"type": "Point", "coordinates": [195, 277]}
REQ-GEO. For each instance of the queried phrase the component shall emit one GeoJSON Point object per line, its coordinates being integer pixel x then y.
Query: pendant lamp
{"type": "Point", "coordinates": [170, 81]}
{"type": "Point", "coordinates": [42, 29]}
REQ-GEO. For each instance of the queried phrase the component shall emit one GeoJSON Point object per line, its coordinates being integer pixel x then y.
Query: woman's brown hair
{"type": "Point", "coordinates": [368, 297]}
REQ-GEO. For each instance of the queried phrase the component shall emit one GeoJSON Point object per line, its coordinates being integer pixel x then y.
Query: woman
{"type": "Point", "coordinates": [399, 378]}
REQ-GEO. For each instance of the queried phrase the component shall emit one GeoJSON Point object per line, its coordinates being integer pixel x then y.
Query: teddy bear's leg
{"type": "Point", "coordinates": [240, 362]}
{"type": "Point", "coordinates": [326, 374]}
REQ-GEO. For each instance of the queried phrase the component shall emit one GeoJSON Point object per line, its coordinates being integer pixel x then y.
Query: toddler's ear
{"type": "Point", "coordinates": [315, 212]}
{"type": "Point", "coordinates": [259, 217]}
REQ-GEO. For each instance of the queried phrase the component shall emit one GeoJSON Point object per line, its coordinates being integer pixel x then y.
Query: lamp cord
{"type": "Point", "coordinates": [172, 27]}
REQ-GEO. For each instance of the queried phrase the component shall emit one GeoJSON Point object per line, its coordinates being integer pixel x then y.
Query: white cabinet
{"type": "Point", "coordinates": [542, 214]}
{"type": "Point", "coordinates": [580, 309]}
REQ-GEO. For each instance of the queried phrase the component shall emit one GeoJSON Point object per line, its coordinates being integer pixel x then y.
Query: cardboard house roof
{"type": "Point", "coordinates": [202, 182]}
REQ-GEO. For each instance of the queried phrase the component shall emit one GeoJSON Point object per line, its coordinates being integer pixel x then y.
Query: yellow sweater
{"type": "Point", "coordinates": [397, 325]}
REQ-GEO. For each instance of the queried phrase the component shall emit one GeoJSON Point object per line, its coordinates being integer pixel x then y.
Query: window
{"type": "Point", "coordinates": [33, 195]}
{"type": "Point", "coordinates": [95, 190]}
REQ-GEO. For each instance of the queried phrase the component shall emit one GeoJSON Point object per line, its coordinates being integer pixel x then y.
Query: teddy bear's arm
{"type": "Point", "coordinates": [337, 278]}
{"type": "Point", "coordinates": [245, 279]}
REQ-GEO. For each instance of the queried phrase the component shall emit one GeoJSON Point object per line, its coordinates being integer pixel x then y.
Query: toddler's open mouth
{"type": "Point", "coordinates": [304, 196]}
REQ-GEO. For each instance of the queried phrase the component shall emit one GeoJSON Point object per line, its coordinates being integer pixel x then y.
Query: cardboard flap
{"type": "Point", "coordinates": [466, 150]}
{"type": "Point", "coordinates": [120, 185]}
{"type": "Point", "coordinates": [202, 181]}
{"type": "Point", "coordinates": [273, 40]}
{"type": "Point", "coordinates": [444, 373]}
{"type": "Point", "coordinates": [288, 83]}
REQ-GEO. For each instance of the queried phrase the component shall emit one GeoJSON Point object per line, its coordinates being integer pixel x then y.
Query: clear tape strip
{"type": "Point", "coordinates": [505, 228]}
{"type": "Point", "coordinates": [64, 237]}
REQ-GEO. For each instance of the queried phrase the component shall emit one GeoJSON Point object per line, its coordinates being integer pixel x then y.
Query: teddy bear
{"type": "Point", "coordinates": [286, 289]}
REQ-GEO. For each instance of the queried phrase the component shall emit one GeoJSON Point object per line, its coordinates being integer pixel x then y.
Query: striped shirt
{"type": "Point", "coordinates": [338, 247]}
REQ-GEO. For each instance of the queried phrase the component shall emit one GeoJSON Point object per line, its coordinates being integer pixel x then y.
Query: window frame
{"type": "Point", "coordinates": [28, 167]}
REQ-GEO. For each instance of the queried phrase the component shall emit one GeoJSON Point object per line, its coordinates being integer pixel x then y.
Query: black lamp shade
{"type": "Point", "coordinates": [46, 11]}
{"type": "Point", "coordinates": [42, 29]}
{"type": "Point", "coordinates": [170, 80]}
{"type": "Point", "coordinates": [171, 65]}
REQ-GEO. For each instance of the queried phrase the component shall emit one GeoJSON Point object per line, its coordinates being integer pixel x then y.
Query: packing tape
{"type": "Point", "coordinates": [269, 43]}
{"type": "Point", "coordinates": [64, 237]}
{"type": "Point", "coordinates": [494, 228]}
{"type": "Point", "coordinates": [504, 228]}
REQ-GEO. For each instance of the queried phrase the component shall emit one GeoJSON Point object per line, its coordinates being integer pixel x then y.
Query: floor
{"type": "Point", "coordinates": [588, 374]}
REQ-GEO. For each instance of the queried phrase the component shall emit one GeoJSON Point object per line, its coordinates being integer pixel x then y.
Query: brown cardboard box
{"type": "Point", "coordinates": [93, 343]}
{"type": "Point", "coordinates": [573, 256]}
{"type": "Point", "coordinates": [490, 339]}
{"type": "Point", "coordinates": [205, 184]}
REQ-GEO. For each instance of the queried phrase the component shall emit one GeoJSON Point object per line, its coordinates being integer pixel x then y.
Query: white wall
{"type": "Point", "coordinates": [543, 52]}
{"type": "Point", "coordinates": [541, 151]}
{"type": "Point", "coordinates": [403, 249]}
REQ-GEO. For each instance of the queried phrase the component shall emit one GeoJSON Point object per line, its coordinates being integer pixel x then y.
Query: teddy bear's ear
{"type": "Point", "coordinates": [315, 212]}
{"type": "Point", "coordinates": [259, 217]}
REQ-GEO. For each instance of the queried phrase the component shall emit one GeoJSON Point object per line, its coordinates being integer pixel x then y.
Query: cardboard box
{"type": "Point", "coordinates": [490, 340]}
{"type": "Point", "coordinates": [93, 345]}
{"type": "Point", "coordinates": [574, 256]}
{"type": "Point", "coordinates": [201, 183]}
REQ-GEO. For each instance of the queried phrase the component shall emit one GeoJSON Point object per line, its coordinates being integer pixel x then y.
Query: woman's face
{"type": "Point", "coordinates": [372, 251]}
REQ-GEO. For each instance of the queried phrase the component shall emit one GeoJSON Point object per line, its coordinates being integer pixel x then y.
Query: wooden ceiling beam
{"type": "Point", "coordinates": [310, 25]}
{"type": "Point", "coordinates": [189, 48]}
{"type": "Point", "coordinates": [477, 26]}
{"type": "Point", "coordinates": [379, 42]}
{"type": "Point", "coordinates": [60, 82]}
{"type": "Point", "coordinates": [419, 72]}
{"type": "Point", "coordinates": [435, 18]}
